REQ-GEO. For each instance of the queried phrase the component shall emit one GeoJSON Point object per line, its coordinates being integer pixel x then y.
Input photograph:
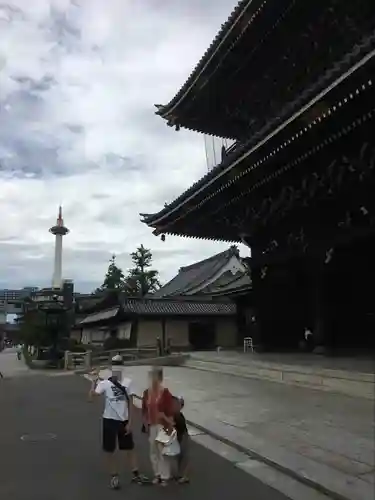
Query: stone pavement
{"type": "Point", "coordinates": [50, 448]}
{"type": "Point", "coordinates": [11, 367]}
{"type": "Point", "coordinates": [350, 376]}
{"type": "Point", "coordinates": [322, 437]}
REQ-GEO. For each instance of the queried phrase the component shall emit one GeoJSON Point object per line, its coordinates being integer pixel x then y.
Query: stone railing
{"type": "Point", "coordinates": [90, 359]}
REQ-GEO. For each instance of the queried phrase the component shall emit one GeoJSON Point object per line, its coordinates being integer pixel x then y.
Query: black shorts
{"type": "Point", "coordinates": [114, 434]}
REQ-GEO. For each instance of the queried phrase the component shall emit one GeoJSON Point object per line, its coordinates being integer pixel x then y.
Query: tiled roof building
{"type": "Point", "coordinates": [193, 309]}
{"type": "Point", "coordinates": [217, 275]}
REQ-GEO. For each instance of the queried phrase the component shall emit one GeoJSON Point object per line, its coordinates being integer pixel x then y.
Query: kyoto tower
{"type": "Point", "coordinates": [59, 230]}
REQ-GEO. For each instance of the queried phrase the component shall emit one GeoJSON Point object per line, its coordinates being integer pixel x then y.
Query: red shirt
{"type": "Point", "coordinates": [152, 407]}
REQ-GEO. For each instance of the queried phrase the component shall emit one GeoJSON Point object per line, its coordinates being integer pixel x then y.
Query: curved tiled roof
{"type": "Point", "coordinates": [100, 316]}
{"type": "Point", "coordinates": [190, 277]}
{"type": "Point", "coordinates": [224, 31]}
{"type": "Point", "coordinates": [332, 78]}
{"type": "Point", "coordinates": [228, 284]}
{"type": "Point", "coordinates": [178, 307]}
{"type": "Point", "coordinates": [161, 307]}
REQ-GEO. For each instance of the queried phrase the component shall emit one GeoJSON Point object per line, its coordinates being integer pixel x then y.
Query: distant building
{"type": "Point", "coordinates": [64, 295]}
{"type": "Point", "coordinates": [12, 294]}
{"type": "Point", "coordinates": [183, 323]}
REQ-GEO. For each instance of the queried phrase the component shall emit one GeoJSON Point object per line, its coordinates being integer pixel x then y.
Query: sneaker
{"type": "Point", "coordinates": [114, 483]}
{"type": "Point", "coordinates": [156, 480]}
{"type": "Point", "coordinates": [184, 480]}
{"type": "Point", "coordinates": [140, 479]}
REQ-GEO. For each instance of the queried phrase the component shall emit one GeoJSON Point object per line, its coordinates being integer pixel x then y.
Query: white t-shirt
{"type": "Point", "coordinates": [116, 405]}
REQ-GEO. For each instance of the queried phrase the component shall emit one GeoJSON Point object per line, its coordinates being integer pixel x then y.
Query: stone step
{"type": "Point", "coordinates": [349, 383]}
{"type": "Point", "coordinates": [287, 367]}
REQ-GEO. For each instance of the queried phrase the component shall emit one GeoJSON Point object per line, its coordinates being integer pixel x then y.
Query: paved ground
{"type": "Point", "coordinates": [326, 437]}
{"type": "Point", "coordinates": [10, 366]}
{"type": "Point", "coordinates": [69, 466]}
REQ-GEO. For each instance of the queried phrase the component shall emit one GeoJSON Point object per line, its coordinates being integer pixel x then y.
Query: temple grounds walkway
{"type": "Point", "coordinates": [355, 364]}
{"type": "Point", "coordinates": [50, 449]}
{"type": "Point", "coordinates": [348, 376]}
{"type": "Point", "coordinates": [324, 438]}
{"type": "Point", "coordinates": [10, 366]}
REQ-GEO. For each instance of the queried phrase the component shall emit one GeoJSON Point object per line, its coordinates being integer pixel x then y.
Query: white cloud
{"type": "Point", "coordinates": [78, 83]}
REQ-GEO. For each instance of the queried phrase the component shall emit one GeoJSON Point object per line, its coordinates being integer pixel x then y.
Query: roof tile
{"type": "Point", "coordinates": [192, 276]}
{"type": "Point", "coordinates": [236, 13]}
{"type": "Point", "coordinates": [100, 316]}
{"type": "Point", "coordinates": [178, 308]}
{"type": "Point", "coordinates": [228, 283]}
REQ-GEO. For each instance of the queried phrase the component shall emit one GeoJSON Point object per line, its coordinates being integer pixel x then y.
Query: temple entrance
{"type": "Point", "coordinates": [347, 308]}
{"type": "Point", "coordinates": [202, 335]}
{"type": "Point", "coordinates": [348, 292]}
{"type": "Point", "coordinates": [281, 297]}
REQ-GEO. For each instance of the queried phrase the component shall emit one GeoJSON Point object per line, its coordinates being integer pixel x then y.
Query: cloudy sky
{"type": "Point", "coordinates": [78, 84]}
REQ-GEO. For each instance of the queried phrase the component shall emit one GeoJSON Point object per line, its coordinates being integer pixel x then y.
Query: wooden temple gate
{"type": "Point", "coordinates": [293, 85]}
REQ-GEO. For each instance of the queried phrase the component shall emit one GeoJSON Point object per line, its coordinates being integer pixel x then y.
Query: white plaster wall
{"type": "Point", "coordinates": [124, 330]}
{"type": "Point", "coordinates": [148, 330]}
{"type": "Point", "coordinates": [226, 332]}
{"type": "Point", "coordinates": [178, 331]}
{"type": "Point", "coordinates": [93, 335]}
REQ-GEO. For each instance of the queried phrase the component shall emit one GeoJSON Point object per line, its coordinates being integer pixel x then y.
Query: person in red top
{"type": "Point", "coordinates": [157, 412]}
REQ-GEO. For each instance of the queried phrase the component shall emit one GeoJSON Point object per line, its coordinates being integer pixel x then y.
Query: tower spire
{"type": "Point", "coordinates": [59, 230]}
{"type": "Point", "coordinates": [60, 220]}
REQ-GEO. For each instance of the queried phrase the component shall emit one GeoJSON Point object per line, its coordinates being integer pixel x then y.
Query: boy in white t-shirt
{"type": "Point", "coordinates": [117, 421]}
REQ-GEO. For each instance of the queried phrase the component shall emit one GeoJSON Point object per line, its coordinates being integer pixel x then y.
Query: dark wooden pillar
{"type": "Point", "coordinates": [287, 290]}
{"type": "Point", "coordinates": [244, 307]}
{"type": "Point", "coordinates": [164, 335]}
{"type": "Point", "coordinates": [134, 332]}
{"type": "Point", "coordinates": [257, 325]}
{"type": "Point", "coordinates": [320, 325]}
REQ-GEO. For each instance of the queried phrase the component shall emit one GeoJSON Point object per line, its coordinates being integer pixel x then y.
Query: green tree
{"type": "Point", "coordinates": [114, 278]}
{"type": "Point", "coordinates": [141, 278]}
